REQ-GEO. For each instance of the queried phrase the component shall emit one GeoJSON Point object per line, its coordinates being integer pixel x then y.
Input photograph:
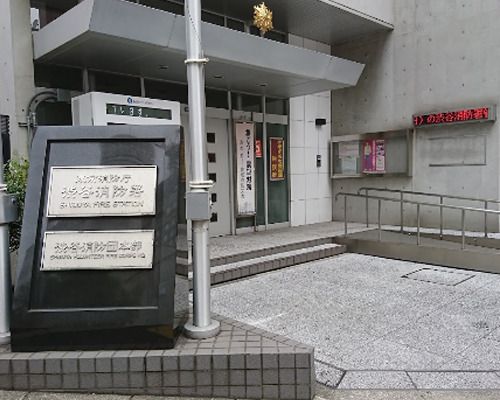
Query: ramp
{"type": "Point", "coordinates": [403, 246]}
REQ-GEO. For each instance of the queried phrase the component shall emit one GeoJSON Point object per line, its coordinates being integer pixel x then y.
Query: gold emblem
{"type": "Point", "coordinates": [262, 18]}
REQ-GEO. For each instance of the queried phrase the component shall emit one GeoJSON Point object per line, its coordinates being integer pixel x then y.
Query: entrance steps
{"type": "Point", "coordinates": [448, 253]}
{"type": "Point", "coordinates": [268, 258]}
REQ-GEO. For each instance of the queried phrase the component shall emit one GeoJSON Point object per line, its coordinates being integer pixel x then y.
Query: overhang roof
{"type": "Point", "coordinates": [123, 37]}
{"type": "Point", "coordinates": [326, 21]}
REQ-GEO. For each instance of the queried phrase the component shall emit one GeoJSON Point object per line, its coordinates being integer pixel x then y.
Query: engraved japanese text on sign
{"type": "Point", "coordinates": [100, 250]}
{"type": "Point", "coordinates": [245, 166]}
{"type": "Point", "coordinates": [102, 190]}
{"type": "Point", "coordinates": [277, 161]}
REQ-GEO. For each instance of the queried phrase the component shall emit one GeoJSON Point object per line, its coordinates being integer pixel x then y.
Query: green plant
{"type": "Point", "coordinates": [16, 179]}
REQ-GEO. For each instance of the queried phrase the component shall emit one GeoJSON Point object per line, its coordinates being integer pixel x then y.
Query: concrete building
{"type": "Point", "coordinates": [331, 76]}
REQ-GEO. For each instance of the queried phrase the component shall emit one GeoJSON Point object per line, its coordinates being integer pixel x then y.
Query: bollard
{"type": "Point", "coordinates": [8, 213]}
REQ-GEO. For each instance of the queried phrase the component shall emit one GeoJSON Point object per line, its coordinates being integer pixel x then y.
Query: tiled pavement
{"type": "Point", "coordinates": [378, 323]}
{"type": "Point", "coordinates": [241, 362]}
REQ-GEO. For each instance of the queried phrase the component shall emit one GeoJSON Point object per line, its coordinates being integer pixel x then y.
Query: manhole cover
{"type": "Point", "coordinates": [439, 277]}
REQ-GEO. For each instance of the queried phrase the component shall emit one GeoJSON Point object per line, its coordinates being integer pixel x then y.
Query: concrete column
{"type": "Point", "coordinates": [16, 69]}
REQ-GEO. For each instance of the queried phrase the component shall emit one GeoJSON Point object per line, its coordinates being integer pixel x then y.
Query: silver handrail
{"type": "Point", "coordinates": [441, 197]}
{"type": "Point", "coordinates": [419, 204]}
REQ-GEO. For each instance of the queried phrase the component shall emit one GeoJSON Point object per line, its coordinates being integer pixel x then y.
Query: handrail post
{"type": "Point", "coordinates": [366, 205]}
{"type": "Point", "coordinates": [379, 223]}
{"type": "Point", "coordinates": [441, 201]}
{"type": "Point", "coordinates": [486, 220]}
{"type": "Point", "coordinates": [345, 215]}
{"type": "Point", "coordinates": [402, 212]}
{"type": "Point", "coordinates": [463, 229]}
{"type": "Point", "coordinates": [418, 224]}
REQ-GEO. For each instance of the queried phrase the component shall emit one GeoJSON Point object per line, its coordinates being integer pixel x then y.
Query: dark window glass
{"type": "Point", "coordinates": [212, 177]}
{"type": "Point", "coordinates": [277, 36]}
{"type": "Point", "coordinates": [245, 102]}
{"type": "Point", "coordinates": [214, 217]}
{"type": "Point", "coordinates": [211, 137]}
{"type": "Point", "coordinates": [166, 91]}
{"type": "Point", "coordinates": [254, 30]}
{"type": "Point", "coordinates": [170, 6]}
{"type": "Point", "coordinates": [50, 13]}
{"type": "Point", "coordinates": [51, 76]}
{"type": "Point", "coordinates": [120, 84]}
{"type": "Point", "coordinates": [276, 106]}
{"type": "Point", "coordinates": [211, 158]}
{"type": "Point", "coordinates": [216, 98]}
{"type": "Point", "coordinates": [212, 18]}
{"type": "Point", "coordinates": [235, 24]}
{"type": "Point", "coordinates": [214, 197]}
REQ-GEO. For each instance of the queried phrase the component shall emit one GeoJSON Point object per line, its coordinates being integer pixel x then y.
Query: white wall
{"type": "Point", "coordinates": [382, 10]}
{"type": "Point", "coordinates": [311, 193]}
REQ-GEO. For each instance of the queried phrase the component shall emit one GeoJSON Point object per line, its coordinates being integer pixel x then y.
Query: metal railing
{"type": "Point", "coordinates": [441, 204]}
{"type": "Point", "coordinates": [419, 204]}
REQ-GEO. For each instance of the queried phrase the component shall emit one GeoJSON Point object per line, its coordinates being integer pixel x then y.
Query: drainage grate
{"type": "Point", "coordinates": [439, 277]}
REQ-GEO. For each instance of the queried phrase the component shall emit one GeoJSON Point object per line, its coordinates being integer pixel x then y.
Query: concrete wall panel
{"type": "Point", "coordinates": [442, 55]}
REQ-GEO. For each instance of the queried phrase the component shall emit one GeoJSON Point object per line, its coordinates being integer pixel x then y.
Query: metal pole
{"type": "Point", "coordinates": [5, 279]}
{"type": "Point", "coordinates": [345, 216]}
{"type": "Point", "coordinates": [441, 200]}
{"type": "Point", "coordinates": [463, 229]}
{"type": "Point", "coordinates": [379, 223]}
{"type": "Point", "coordinates": [402, 212]}
{"type": "Point", "coordinates": [486, 220]}
{"type": "Point", "coordinates": [202, 325]}
{"type": "Point", "coordinates": [366, 205]}
{"type": "Point", "coordinates": [418, 224]}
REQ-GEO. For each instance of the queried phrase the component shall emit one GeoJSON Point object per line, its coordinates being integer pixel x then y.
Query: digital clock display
{"type": "Point", "coordinates": [454, 117]}
{"type": "Point", "coordinates": [137, 111]}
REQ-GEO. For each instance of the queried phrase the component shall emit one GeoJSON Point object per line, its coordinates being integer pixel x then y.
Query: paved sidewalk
{"type": "Point", "coordinates": [380, 324]}
{"type": "Point", "coordinates": [323, 394]}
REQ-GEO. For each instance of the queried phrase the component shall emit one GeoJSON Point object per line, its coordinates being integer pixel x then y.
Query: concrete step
{"type": "Point", "coordinates": [184, 267]}
{"type": "Point", "coordinates": [257, 265]}
{"type": "Point", "coordinates": [403, 246]}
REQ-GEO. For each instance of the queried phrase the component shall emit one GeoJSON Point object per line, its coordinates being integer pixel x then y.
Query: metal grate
{"type": "Point", "coordinates": [438, 276]}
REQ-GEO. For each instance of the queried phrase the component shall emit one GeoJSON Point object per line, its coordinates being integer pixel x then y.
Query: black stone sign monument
{"type": "Point", "coordinates": [97, 259]}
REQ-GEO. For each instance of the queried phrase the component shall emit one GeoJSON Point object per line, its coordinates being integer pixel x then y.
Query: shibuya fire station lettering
{"type": "Point", "coordinates": [127, 249]}
{"type": "Point", "coordinates": [102, 190]}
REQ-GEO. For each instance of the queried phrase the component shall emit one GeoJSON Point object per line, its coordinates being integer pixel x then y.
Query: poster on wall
{"type": "Point", "coordinates": [374, 156]}
{"type": "Point", "coordinates": [348, 154]}
{"type": "Point", "coordinates": [277, 159]}
{"type": "Point", "coordinates": [245, 168]}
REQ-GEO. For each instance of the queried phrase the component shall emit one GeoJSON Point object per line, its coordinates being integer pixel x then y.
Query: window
{"type": "Point", "coordinates": [114, 83]}
{"type": "Point", "coordinates": [166, 91]}
{"type": "Point", "coordinates": [276, 106]}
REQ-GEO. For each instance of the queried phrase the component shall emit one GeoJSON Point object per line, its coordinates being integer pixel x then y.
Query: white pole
{"type": "Point", "coordinates": [202, 325]}
{"type": "Point", "coordinates": [5, 280]}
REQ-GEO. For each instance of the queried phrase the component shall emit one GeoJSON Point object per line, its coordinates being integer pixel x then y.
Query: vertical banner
{"type": "Point", "coordinates": [374, 156]}
{"type": "Point", "coordinates": [245, 167]}
{"type": "Point", "coordinates": [380, 155]}
{"type": "Point", "coordinates": [277, 159]}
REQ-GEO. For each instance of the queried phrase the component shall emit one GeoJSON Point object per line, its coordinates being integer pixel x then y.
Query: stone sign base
{"type": "Point", "coordinates": [241, 362]}
{"type": "Point", "coordinates": [160, 337]}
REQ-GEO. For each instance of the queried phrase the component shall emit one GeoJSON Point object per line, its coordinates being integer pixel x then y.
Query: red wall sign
{"type": "Point", "coordinates": [454, 117]}
{"type": "Point", "coordinates": [277, 161]}
{"type": "Point", "coordinates": [258, 148]}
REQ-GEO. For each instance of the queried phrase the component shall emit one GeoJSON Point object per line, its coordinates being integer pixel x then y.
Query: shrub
{"type": "Point", "coordinates": [16, 179]}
